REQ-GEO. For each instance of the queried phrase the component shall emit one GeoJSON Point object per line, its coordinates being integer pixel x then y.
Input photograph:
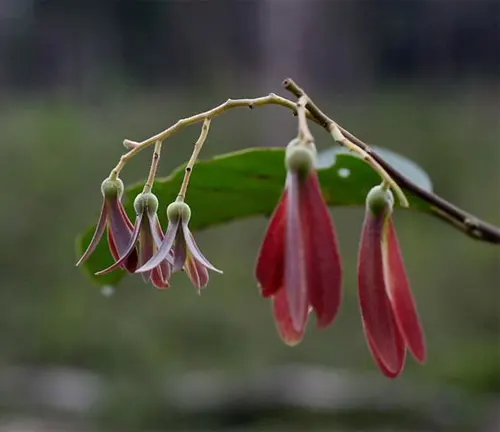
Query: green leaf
{"type": "Point", "coordinates": [401, 163]}
{"type": "Point", "coordinates": [240, 185]}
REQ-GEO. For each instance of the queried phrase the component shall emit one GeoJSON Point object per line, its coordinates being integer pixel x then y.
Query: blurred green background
{"type": "Point", "coordinates": [419, 77]}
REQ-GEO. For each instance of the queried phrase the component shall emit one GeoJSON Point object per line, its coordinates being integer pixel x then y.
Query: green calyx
{"type": "Point", "coordinates": [146, 202]}
{"type": "Point", "coordinates": [111, 188]}
{"type": "Point", "coordinates": [300, 157]}
{"type": "Point", "coordinates": [178, 210]}
{"type": "Point", "coordinates": [380, 200]}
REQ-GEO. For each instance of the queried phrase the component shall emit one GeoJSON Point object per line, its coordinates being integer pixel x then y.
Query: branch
{"type": "Point", "coordinates": [339, 137]}
{"type": "Point", "coordinates": [136, 147]}
{"type": "Point", "coordinates": [469, 224]}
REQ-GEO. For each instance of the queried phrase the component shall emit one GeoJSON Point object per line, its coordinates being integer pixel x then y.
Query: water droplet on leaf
{"type": "Point", "coordinates": [344, 172]}
{"type": "Point", "coordinates": [107, 290]}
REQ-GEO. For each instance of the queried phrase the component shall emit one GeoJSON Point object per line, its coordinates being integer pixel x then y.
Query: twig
{"type": "Point", "coordinates": [304, 132]}
{"type": "Point", "coordinates": [136, 147]}
{"type": "Point", "coordinates": [469, 224]}
{"type": "Point", "coordinates": [197, 148]}
{"type": "Point", "coordinates": [154, 167]}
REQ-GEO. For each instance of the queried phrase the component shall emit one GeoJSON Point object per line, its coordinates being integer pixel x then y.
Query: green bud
{"type": "Point", "coordinates": [178, 209]}
{"type": "Point", "coordinates": [300, 158]}
{"type": "Point", "coordinates": [146, 202]}
{"type": "Point", "coordinates": [111, 188]}
{"type": "Point", "coordinates": [380, 200]}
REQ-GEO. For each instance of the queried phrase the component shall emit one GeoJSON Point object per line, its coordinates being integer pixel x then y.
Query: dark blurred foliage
{"type": "Point", "coordinates": [77, 77]}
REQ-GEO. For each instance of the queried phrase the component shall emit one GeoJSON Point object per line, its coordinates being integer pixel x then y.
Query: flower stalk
{"type": "Point", "coordinates": [154, 167]}
{"type": "Point", "coordinates": [194, 157]}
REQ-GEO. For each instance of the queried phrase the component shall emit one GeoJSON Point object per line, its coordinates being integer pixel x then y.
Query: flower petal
{"type": "Point", "coordinates": [119, 225]}
{"type": "Point", "coordinates": [157, 231]}
{"type": "Point", "coordinates": [194, 250]}
{"type": "Point", "coordinates": [295, 267]}
{"type": "Point", "coordinates": [132, 260]}
{"type": "Point", "coordinates": [192, 272]}
{"type": "Point", "coordinates": [376, 309]}
{"type": "Point", "coordinates": [197, 272]}
{"type": "Point", "coordinates": [180, 251]}
{"type": "Point", "coordinates": [324, 269]}
{"type": "Point", "coordinates": [202, 274]}
{"type": "Point", "coordinates": [158, 279]}
{"type": "Point", "coordinates": [286, 329]}
{"type": "Point", "coordinates": [146, 245]}
{"type": "Point", "coordinates": [96, 238]}
{"type": "Point", "coordinates": [401, 355]}
{"type": "Point", "coordinates": [165, 249]}
{"type": "Point", "coordinates": [158, 238]}
{"type": "Point", "coordinates": [166, 269]}
{"type": "Point", "coordinates": [400, 295]}
{"type": "Point", "coordinates": [112, 246]}
{"type": "Point", "coordinates": [130, 248]}
{"type": "Point", "coordinates": [271, 260]}
{"type": "Point", "coordinates": [125, 217]}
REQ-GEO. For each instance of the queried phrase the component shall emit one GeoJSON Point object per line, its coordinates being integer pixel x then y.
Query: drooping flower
{"type": "Point", "coordinates": [119, 227]}
{"type": "Point", "coordinates": [180, 242]}
{"type": "Point", "coordinates": [299, 264]}
{"type": "Point", "coordinates": [389, 315]}
{"type": "Point", "coordinates": [146, 237]}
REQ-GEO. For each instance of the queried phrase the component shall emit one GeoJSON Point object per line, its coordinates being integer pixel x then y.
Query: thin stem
{"type": "Point", "coordinates": [339, 137]}
{"type": "Point", "coordinates": [194, 157]}
{"type": "Point", "coordinates": [469, 224]}
{"type": "Point", "coordinates": [385, 186]}
{"type": "Point", "coordinates": [154, 167]}
{"type": "Point", "coordinates": [136, 147]}
{"type": "Point", "coordinates": [129, 144]}
{"type": "Point", "coordinates": [304, 133]}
